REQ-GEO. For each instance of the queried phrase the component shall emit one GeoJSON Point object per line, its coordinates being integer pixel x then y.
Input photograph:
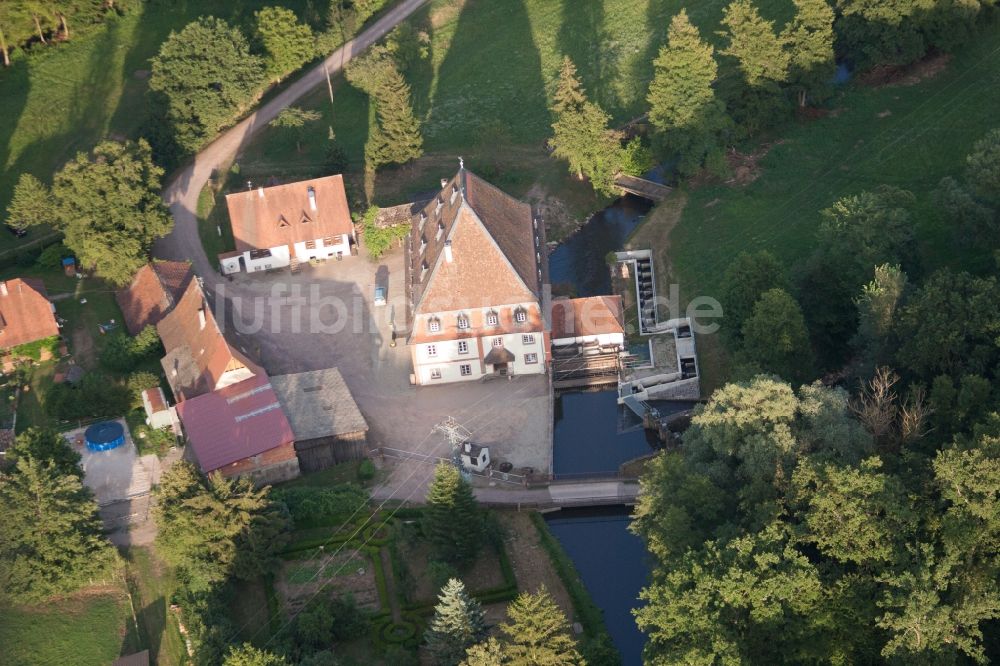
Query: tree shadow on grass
{"type": "Point", "coordinates": [583, 37]}
{"type": "Point", "coordinates": [15, 85]}
{"type": "Point", "coordinates": [492, 70]}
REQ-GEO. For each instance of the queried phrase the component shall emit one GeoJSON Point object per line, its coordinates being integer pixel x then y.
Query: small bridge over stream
{"type": "Point", "coordinates": [641, 187]}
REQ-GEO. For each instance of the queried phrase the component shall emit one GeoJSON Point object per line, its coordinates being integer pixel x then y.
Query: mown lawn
{"type": "Point", "coordinates": [482, 92]}
{"type": "Point", "coordinates": [88, 630]}
{"type": "Point", "coordinates": [153, 584]}
{"type": "Point", "coordinates": [67, 97]}
{"type": "Point", "coordinates": [907, 136]}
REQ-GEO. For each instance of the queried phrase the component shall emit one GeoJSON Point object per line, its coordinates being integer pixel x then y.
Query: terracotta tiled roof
{"type": "Point", "coordinates": [25, 313]}
{"type": "Point", "coordinates": [497, 251]}
{"type": "Point", "coordinates": [235, 422]}
{"type": "Point", "coordinates": [153, 291]}
{"type": "Point", "coordinates": [283, 214]}
{"type": "Point", "coordinates": [198, 354]}
{"type": "Point", "coordinates": [578, 317]}
{"type": "Point", "coordinates": [157, 401]}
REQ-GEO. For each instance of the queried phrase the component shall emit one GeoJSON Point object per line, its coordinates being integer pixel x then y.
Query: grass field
{"type": "Point", "coordinates": [482, 92]}
{"type": "Point", "coordinates": [907, 136]}
{"type": "Point", "coordinates": [66, 97]}
{"type": "Point", "coordinates": [153, 584]}
{"type": "Point", "coordinates": [87, 629]}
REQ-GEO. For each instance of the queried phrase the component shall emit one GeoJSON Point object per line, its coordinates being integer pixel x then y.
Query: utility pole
{"type": "Point", "coordinates": [456, 435]}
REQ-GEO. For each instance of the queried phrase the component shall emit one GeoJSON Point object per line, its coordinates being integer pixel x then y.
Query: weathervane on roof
{"type": "Point", "coordinates": [461, 162]}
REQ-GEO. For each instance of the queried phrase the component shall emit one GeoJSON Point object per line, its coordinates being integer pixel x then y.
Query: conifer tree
{"type": "Point", "coordinates": [755, 99]}
{"type": "Point", "coordinates": [31, 203]}
{"type": "Point", "coordinates": [458, 623]}
{"type": "Point", "coordinates": [51, 539]}
{"type": "Point", "coordinates": [581, 133]}
{"type": "Point", "coordinates": [211, 529]}
{"type": "Point", "coordinates": [537, 632]}
{"type": "Point", "coordinates": [48, 446]}
{"type": "Point", "coordinates": [378, 75]}
{"type": "Point", "coordinates": [754, 44]}
{"type": "Point", "coordinates": [453, 523]}
{"type": "Point", "coordinates": [287, 42]}
{"type": "Point", "coordinates": [684, 108]}
{"type": "Point", "coordinates": [809, 40]}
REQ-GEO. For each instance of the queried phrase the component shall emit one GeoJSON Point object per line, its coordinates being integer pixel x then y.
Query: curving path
{"type": "Point", "coordinates": [182, 193]}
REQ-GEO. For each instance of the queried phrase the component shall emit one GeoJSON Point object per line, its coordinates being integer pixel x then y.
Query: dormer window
{"type": "Point", "coordinates": [305, 219]}
{"type": "Point", "coordinates": [454, 193]}
{"type": "Point", "coordinates": [520, 315]}
{"type": "Point", "coordinates": [423, 268]}
{"type": "Point", "coordinates": [440, 231]}
{"type": "Point", "coordinates": [423, 243]}
{"type": "Point", "coordinates": [282, 222]}
{"type": "Point", "coordinates": [434, 325]}
{"type": "Point", "coordinates": [492, 319]}
{"type": "Point", "coordinates": [437, 209]}
{"type": "Point", "coordinates": [423, 218]}
{"type": "Point", "coordinates": [463, 322]}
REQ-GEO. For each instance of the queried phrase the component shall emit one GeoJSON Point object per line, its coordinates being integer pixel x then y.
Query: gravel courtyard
{"type": "Point", "coordinates": [323, 316]}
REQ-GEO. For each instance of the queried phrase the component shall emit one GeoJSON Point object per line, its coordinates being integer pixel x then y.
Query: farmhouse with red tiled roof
{"type": "Point", "coordinates": [476, 266]}
{"type": "Point", "coordinates": [152, 293]}
{"type": "Point", "coordinates": [26, 314]}
{"type": "Point", "coordinates": [279, 226]}
{"type": "Point", "coordinates": [199, 359]}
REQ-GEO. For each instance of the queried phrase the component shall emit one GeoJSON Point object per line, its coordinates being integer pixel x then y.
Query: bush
{"type": "Point", "coordinates": [366, 470]}
{"type": "Point", "coordinates": [321, 506]}
{"type": "Point", "coordinates": [52, 256]}
{"type": "Point", "coordinates": [636, 158]}
{"type": "Point", "coordinates": [96, 396]}
{"type": "Point", "coordinates": [440, 573]}
{"type": "Point", "coordinates": [124, 353]}
{"type": "Point", "coordinates": [336, 158]}
{"type": "Point", "coordinates": [139, 382]}
{"type": "Point", "coordinates": [397, 655]}
{"type": "Point", "coordinates": [326, 620]}
{"type": "Point", "coordinates": [379, 240]}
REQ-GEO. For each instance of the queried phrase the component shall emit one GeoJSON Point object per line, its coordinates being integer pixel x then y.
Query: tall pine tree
{"type": "Point", "coordinates": [453, 522]}
{"type": "Point", "coordinates": [31, 203]}
{"type": "Point", "coordinates": [684, 108]}
{"type": "Point", "coordinates": [537, 632]}
{"type": "Point", "coordinates": [755, 99]}
{"type": "Point", "coordinates": [458, 624]}
{"type": "Point", "coordinates": [581, 135]}
{"type": "Point", "coordinates": [51, 539]}
{"type": "Point", "coordinates": [809, 40]}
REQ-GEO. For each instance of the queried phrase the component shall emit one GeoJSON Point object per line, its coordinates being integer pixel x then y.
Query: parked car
{"type": "Point", "coordinates": [379, 296]}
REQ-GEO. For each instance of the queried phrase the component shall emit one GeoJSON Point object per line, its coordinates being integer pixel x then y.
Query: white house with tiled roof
{"type": "Point", "coordinates": [280, 226]}
{"type": "Point", "coordinates": [475, 273]}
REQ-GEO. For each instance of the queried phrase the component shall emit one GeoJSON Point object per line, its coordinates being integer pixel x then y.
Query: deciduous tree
{"type": "Point", "coordinates": [208, 76]}
{"type": "Point", "coordinates": [294, 119]}
{"type": "Point", "coordinates": [248, 655]}
{"type": "Point", "coordinates": [983, 166]}
{"type": "Point", "coordinates": [746, 279]}
{"type": "Point", "coordinates": [775, 337]}
{"type": "Point", "coordinates": [109, 207]}
{"type": "Point", "coordinates": [877, 306]}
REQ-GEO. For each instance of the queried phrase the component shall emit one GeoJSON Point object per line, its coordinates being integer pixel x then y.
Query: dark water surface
{"type": "Point", "coordinates": [580, 261]}
{"type": "Point", "coordinates": [585, 437]}
{"type": "Point", "coordinates": [612, 563]}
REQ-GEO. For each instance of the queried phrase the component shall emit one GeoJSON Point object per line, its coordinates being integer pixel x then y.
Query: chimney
{"type": "Point", "coordinates": [3, 288]}
{"type": "Point", "coordinates": [201, 318]}
{"type": "Point", "coordinates": [260, 192]}
{"type": "Point", "coordinates": [312, 198]}
{"type": "Point", "coordinates": [444, 183]}
{"type": "Point", "coordinates": [447, 251]}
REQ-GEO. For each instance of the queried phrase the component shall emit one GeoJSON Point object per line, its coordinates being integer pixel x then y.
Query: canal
{"type": "Point", "coordinates": [591, 435]}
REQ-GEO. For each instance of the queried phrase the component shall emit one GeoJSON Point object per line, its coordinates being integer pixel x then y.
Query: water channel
{"type": "Point", "coordinates": [588, 438]}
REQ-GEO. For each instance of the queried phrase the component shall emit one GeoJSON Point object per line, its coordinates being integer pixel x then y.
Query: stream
{"type": "Point", "coordinates": [588, 438]}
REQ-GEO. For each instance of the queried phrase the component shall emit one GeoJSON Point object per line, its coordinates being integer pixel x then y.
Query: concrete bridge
{"type": "Point", "coordinates": [641, 187]}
